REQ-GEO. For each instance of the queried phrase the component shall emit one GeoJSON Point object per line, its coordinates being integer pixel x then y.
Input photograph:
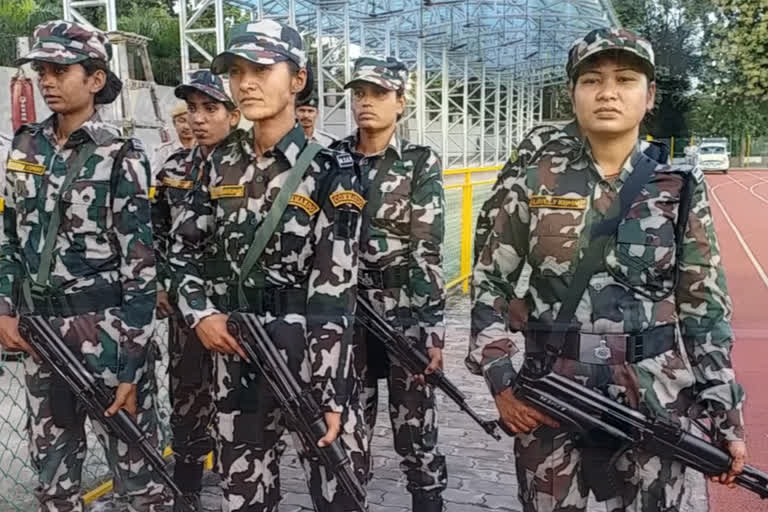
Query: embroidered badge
{"type": "Point", "coordinates": [565, 203]}
{"type": "Point", "coordinates": [305, 203]}
{"type": "Point", "coordinates": [227, 191]}
{"type": "Point", "coordinates": [28, 167]}
{"type": "Point", "coordinates": [183, 184]}
{"type": "Point", "coordinates": [603, 352]}
{"type": "Point", "coordinates": [347, 197]}
{"type": "Point", "coordinates": [152, 192]}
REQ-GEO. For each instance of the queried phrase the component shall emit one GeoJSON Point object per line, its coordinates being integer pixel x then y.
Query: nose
{"type": "Point", "coordinates": [45, 79]}
{"type": "Point", "coordinates": [608, 89]}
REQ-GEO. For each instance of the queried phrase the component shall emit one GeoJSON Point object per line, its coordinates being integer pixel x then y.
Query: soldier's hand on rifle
{"type": "Point", "coordinates": [435, 363]}
{"type": "Point", "coordinates": [518, 416]}
{"type": "Point", "coordinates": [738, 451]}
{"type": "Point", "coordinates": [11, 339]}
{"type": "Point", "coordinates": [125, 398]}
{"type": "Point", "coordinates": [213, 333]}
{"type": "Point", "coordinates": [164, 308]}
{"type": "Point", "coordinates": [333, 422]}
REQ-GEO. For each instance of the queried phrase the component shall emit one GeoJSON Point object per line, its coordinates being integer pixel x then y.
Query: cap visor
{"type": "Point", "coordinates": [385, 84]}
{"type": "Point", "coordinates": [183, 90]}
{"type": "Point", "coordinates": [49, 55]}
{"type": "Point", "coordinates": [615, 49]}
{"type": "Point", "coordinates": [222, 62]}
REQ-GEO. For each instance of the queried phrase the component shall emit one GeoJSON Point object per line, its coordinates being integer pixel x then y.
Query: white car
{"type": "Point", "coordinates": [713, 157]}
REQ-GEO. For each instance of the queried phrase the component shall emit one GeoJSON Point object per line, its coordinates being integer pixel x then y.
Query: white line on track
{"type": "Point", "coordinates": [736, 232]}
{"type": "Point", "coordinates": [750, 189]}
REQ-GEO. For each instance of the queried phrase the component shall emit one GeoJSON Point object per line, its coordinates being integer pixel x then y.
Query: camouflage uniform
{"type": "Point", "coordinates": [190, 364]}
{"type": "Point", "coordinates": [541, 214]}
{"type": "Point", "coordinates": [100, 294]}
{"type": "Point", "coordinates": [401, 274]}
{"type": "Point", "coordinates": [303, 289]}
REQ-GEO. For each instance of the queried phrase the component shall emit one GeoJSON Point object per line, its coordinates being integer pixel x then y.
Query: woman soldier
{"type": "Point", "coordinates": [659, 288]}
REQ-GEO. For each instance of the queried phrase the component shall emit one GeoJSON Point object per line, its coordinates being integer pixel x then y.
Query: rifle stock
{"type": "Point", "coordinates": [588, 412]}
{"type": "Point", "coordinates": [303, 413]}
{"type": "Point", "coordinates": [54, 353]}
{"type": "Point", "coordinates": [414, 361]}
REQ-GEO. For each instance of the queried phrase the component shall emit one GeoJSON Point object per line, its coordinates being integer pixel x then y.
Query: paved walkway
{"type": "Point", "coordinates": [481, 470]}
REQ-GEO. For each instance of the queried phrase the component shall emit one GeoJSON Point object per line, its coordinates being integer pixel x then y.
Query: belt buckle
{"type": "Point", "coordinates": [601, 348]}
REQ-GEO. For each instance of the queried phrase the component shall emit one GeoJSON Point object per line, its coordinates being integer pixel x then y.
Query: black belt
{"type": "Point", "coordinates": [607, 348]}
{"type": "Point", "coordinates": [394, 277]}
{"type": "Point", "coordinates": [49, 301]}
{"type": "Point", "coordinates": [277, 301]}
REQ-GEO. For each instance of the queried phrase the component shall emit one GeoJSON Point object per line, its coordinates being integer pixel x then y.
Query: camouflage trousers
{"type": "Point", "coordinates": [249, 430]}
{"type": "Point", "coordinates": [191, 392]}
{"type": "Point", "coordinates": [413, 414]}
{"type": "Point", "coordinates": [554, 466]}
{"type": "Point", "coordinates": [57, 439]}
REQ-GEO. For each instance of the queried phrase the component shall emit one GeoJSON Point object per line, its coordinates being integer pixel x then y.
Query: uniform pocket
{"type": "Point", "coordinates": [644, 257]}
{"type": "Point", "coordinates": [85, 208]}
{"type": "Point", "coordinates": [394, 213]}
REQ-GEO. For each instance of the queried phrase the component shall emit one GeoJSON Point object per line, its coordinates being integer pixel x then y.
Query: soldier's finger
{"type": "Point", "coordinates": [234, 346]}
{"type": "Point", "coordinates": [543, 418]}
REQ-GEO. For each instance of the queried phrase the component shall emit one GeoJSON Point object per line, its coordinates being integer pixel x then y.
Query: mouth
{"type": "Point", "coordinates": [200, 134]}
{"type": "Point", "coordinates": [51, 97]}
{"type": "Point", "coordinates": [367, 115]}
{"type": "Point", "coordinates": [607, 111]}
{"type": "Point", "coordinates": [247, 101]}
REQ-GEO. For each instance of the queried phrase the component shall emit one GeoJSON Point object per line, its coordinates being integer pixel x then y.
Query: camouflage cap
{"type": "Point", "coordinates": [66, 42]}
{"type": "Point", "coordinates": [390, 73]}
{"type": "Point", "coordinates": [265, 42]}
{"type": "Point", "coordinates": [205, 82]}
{"type": "Point", "coordinates": [607, 39]}
{"type": "Point", "coordinates": [309, 100]}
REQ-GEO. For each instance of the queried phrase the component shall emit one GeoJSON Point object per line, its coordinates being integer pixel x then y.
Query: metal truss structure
{"type": "Point", "coordinates": [479, 67]}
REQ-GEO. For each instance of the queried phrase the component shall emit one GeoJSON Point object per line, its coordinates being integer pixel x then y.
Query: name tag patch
{"type": "Point", "coordinates": [227, 191]}
{"type": "Point", "coordinates": [152, 192]}
{"type": "Point", "coordinates": [565, 203]}
{"type": "Point", "coordinates": [28, 167]}
{"type": "Point", "coordinates": [347, 197]}
{"type": "Point", "coordinates": [305, 203]}
{"type": "Point", "coordinates": [183, 184]}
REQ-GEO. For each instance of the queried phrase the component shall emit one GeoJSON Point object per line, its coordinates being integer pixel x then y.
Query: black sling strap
{"type": "Point", "coordinates": [592, 257]}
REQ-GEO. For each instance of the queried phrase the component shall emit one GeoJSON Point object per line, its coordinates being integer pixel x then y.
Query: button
{"type": "Point", "coordinates": [260, 178]}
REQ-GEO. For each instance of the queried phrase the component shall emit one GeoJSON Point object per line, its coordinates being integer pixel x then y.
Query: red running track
{"type": "Point", "coordinates": [740, 207]}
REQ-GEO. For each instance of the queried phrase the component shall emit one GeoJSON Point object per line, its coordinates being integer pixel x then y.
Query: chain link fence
{"type": "Point", "coordinates": [17, 477]}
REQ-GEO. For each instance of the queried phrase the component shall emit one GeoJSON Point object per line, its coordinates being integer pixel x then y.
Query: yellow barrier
{"type": "Point", "coordinates": [465, 265]}
{"type": "Point", "coordinates": [107, 486]}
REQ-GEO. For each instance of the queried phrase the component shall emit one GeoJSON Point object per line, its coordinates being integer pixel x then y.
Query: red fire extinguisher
{"type": "Point", "coordinates": [22, 100]}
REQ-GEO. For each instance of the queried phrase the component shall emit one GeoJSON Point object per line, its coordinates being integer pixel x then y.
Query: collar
{"type": "Point", "coordinates": [289, 146]}
{"type": "Point", "coordinates": [94, 129]}
{"type": "Point", "coordinates": [395, 144]}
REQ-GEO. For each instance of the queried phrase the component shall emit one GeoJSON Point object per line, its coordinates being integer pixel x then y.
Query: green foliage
{"type": "Point", "coordinates": [164, 47]}
{"type": "Point", "coordinates": [18, 18]}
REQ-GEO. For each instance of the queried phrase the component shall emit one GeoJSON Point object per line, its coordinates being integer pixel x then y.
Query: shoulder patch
{"type": "Point", "coordinates": [344, 160]}
{"type": "Point", "coordinates": [347, 197]}
{"type": "Point", "coordinates": [305, 203]}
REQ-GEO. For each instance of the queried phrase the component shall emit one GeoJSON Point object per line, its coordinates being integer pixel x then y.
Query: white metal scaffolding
{"type": "Point", "coordinates": [478, 67]}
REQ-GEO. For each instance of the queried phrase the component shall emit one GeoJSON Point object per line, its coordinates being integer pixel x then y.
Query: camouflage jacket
{"type": "Point", "coordinates": [105, 235]}
{"type": "Point", "coordinates": [636, 292]}
{"type": "Point", "coordinates": [322, 138]}
{"type": "Point", "coordinates": [403, 226]}
{"type": "Point", "coordinates": [174, 181]}
{"type": "Point", "coordinates": [313, 248]}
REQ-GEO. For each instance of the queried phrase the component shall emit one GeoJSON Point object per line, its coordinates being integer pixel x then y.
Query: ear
{"type": "Point", "coordinates": [234, 118]}
{"type": "Point", "coordinates": [299, 81]}
{"type": "Point", "coordinates": [97, 81]}
{"type": "Point", "coordinates": [651, 97]}
{"type": "Point", "coordinates": [400, 103]}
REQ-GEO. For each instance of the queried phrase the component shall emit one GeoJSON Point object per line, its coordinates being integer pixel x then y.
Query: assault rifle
{"type": "Point", "coordinates": [303, 414]}
{"type": "Point", "coordinates": [95, 398]}
{"type": "Point", "coordinates": [594, 416]}
{"type": "Point", "coordinates": [414, 361]}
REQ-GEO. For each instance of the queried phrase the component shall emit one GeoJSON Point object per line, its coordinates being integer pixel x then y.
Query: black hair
{"type": "Point", "coordinates": [112, 85]}
{"type": "Point", "coordinates": [633, 61]}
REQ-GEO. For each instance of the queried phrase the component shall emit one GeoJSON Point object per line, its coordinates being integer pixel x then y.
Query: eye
{"type": "Point", "coordinates": [234, 71]}
{"type": "Point", "coordinates": [211, 109]}
{"type": "Point", "coordinates": [589, 80]}
{"type": "Point", "coordinates": [358, 94]}
{"type": "Point", "coordinates": [626, 79]}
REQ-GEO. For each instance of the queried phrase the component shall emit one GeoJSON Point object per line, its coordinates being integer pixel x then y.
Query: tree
{"type": "Point", "coordinates": [739, 48]}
